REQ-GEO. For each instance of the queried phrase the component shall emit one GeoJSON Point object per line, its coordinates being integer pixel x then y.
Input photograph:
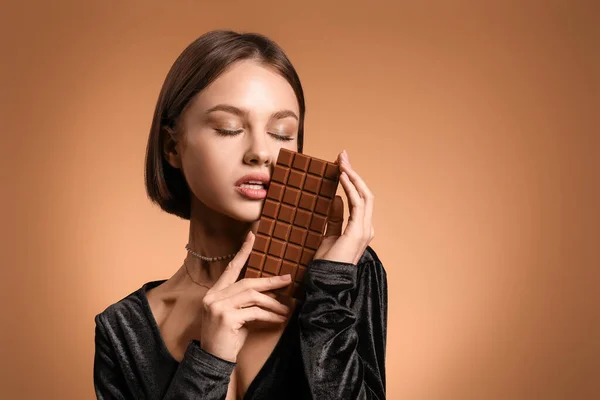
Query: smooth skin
{"type": "Point", "coordinates": [214, 149]}
{"type": "Point", "coordinates": [229, 305]}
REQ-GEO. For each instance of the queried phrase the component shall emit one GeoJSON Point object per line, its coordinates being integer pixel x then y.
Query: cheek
{"type": "Point", "coordinates": [288, 145]}
{"type": "Point", "coordinates": [205, 170]}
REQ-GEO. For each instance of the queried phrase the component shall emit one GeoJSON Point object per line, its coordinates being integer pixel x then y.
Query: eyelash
{"type": "Point", "coordinates": [225, 132]}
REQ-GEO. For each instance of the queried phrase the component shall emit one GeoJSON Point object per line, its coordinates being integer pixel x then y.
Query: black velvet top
{"type": "Point", "coordinates": [333, 346]}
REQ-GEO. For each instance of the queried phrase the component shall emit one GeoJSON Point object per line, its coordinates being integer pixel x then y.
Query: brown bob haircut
{"type": "Point", "coordinates": [203, 61]}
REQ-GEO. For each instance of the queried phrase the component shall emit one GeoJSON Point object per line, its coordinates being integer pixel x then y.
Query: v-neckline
{"type": "Point", "coordinates": [148, 311]}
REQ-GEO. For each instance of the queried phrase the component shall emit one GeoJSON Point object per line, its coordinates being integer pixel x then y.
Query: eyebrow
{"type": "Point", "coordinates": [244, 113]}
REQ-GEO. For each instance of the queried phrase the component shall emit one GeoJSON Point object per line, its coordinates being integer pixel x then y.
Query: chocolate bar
{"type": "Point", "coordinates": [293, 218]}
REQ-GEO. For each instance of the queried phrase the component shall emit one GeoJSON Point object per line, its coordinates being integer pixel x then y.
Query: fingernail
{"type": "Point", "coordinates": [347, 158]}
{"type": "Point", "coordinates": [285, 277]}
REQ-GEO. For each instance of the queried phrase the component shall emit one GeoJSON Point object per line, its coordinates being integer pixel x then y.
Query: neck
{"type": "Point", "coordinates": [212, 235]}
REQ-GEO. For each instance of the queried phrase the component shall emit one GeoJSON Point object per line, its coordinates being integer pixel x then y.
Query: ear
{"type": "Point", "coordinates": [170, 147]}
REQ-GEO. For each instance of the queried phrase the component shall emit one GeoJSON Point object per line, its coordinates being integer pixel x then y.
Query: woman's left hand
{"type": "Point", "coordinates": [349, 246]}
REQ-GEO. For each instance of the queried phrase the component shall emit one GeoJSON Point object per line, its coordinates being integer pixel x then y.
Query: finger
{"type": "Point", "coordinates": [252, 297]}
{"type": "Point", "coordinates": [364, 192]}
{"type": "Point", "coordinates": [257, 314]}
{"type": "Point", "coordinates": [356, 206]}
{"type": "Point", "coordinates": [232, 272]}
{"type": "Point", "coordinates": [336, 217]}
{"type": "Point", "coordinates": [258, 284]}
{"type": "Point", "coordinates": [368, 220]}
{"type": "Point", "coordinates": [356, 180]}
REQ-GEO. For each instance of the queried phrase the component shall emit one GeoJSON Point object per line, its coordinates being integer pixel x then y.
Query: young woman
{"type": "Point", "coordinates": [228, 105]}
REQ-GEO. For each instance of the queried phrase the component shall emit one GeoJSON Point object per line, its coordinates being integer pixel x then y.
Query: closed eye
{"type": "Point", "coordinates": [226, 132]}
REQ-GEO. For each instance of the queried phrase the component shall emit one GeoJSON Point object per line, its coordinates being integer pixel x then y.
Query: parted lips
{"type": "Point", "coordinates": [293, 218]}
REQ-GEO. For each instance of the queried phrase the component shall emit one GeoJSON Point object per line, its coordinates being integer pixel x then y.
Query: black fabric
{"type": "Point", "coordinates": [332, 348]}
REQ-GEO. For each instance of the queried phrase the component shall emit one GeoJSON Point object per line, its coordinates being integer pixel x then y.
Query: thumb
{"type": "Point", "coordinates": [235, 266]}
{"type": "Point", "coordinates": [336, 217]}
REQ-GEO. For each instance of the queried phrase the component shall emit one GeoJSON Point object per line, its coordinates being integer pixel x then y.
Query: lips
{"type": "Point", "coordinates": [254, 178]}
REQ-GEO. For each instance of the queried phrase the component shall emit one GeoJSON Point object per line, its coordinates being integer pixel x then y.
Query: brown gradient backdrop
{"type": "Point", "coordinates": [476, 126]}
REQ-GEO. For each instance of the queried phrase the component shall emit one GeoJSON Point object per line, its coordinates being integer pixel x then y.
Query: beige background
{"type": "Point", "coordinates": [476, 126]}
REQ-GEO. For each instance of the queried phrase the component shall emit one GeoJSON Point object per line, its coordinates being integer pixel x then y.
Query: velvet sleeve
{"type": "Point", "coordinates": [343, 328]}
{"type": "Point", "coordinates": [200, 375]}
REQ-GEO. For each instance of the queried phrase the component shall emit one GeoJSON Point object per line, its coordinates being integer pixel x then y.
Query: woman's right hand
{"type": "Point", "coordinates": [229, 305]}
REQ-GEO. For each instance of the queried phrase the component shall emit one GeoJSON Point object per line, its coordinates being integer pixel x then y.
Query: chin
{"type": "Point", "coordinates": [247, 212]}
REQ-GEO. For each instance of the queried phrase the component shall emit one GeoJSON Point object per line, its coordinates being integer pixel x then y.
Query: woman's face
{"type": "Point", "coordinates": [232, 128]}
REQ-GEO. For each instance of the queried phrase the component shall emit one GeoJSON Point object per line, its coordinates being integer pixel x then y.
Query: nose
{"type": "Point", "coordinates": [258, 152]}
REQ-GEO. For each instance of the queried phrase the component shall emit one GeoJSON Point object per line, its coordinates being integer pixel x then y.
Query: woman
{"type": "Point", "coordinates": [228, 105]}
